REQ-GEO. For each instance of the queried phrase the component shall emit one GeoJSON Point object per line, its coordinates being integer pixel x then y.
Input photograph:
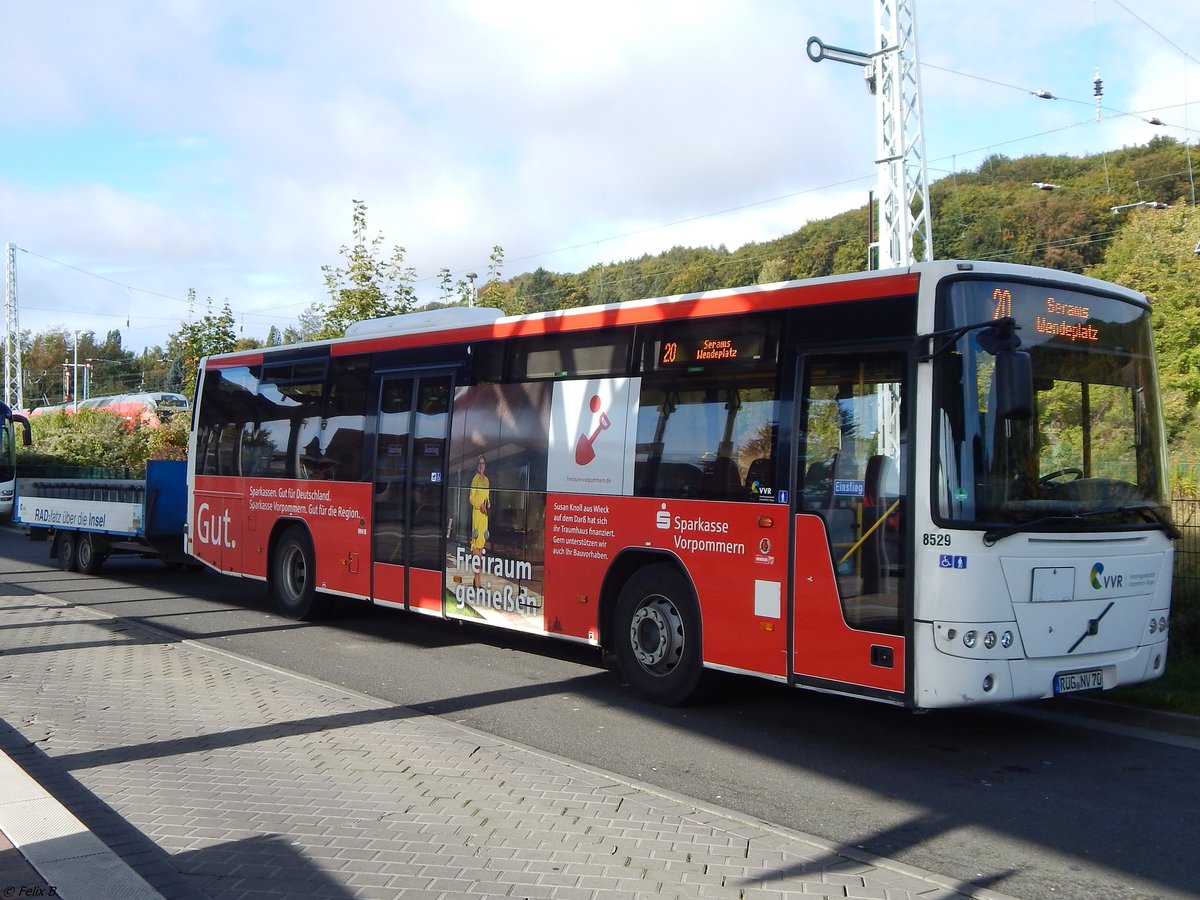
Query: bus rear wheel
{"type": "Point", "coordinates": [294, 577]}
{"type": "Point", "coordinates": [657, 636]}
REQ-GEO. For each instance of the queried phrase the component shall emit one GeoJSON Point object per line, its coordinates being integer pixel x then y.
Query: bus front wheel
{"type": "Point", "coordinates": [657, 636]}
{"type": "Point", "coordinates": [294, 577]}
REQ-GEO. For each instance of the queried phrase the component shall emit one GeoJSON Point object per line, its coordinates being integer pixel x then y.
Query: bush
{"type": "Point", "coordinates": [170, 440]}
{"type": "Point", "coordinates": [1184, 484]}
{"type": "Point", "coordinates": [97, 438]}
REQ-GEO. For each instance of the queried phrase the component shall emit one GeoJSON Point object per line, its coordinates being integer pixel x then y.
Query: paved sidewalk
{"type": "Point", "coordinates": [192, 773]}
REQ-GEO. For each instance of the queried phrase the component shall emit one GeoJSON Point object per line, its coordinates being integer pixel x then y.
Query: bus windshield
{"type": "Point", "coordinates": [8, 452]}
{"type": "Point", "coordinates": [1091, 454]}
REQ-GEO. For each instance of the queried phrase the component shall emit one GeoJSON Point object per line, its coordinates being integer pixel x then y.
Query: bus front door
{"type": "Point", "coordinates": [412, 431]}
{"type": "Point", "coordinates": [849, 535]}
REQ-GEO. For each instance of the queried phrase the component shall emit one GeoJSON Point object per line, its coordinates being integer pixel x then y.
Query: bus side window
{"type": "Point", "coordinates": [227, 451]}
{"type": "Point", "coordinates": [206, 452]}
{"type": "Point", "coordinates": [699, 441]}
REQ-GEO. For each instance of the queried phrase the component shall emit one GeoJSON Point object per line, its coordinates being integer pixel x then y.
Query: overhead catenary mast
{"type": "Point", "coordinates": [13, 393]}
{"type": "Point", "coordinates": [893, 77]}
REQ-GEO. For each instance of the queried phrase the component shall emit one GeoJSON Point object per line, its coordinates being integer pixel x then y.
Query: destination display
{"type": "Point", "coordinates": [721, 346]}
{"type": "Point", "coordinates": [1051, 316]}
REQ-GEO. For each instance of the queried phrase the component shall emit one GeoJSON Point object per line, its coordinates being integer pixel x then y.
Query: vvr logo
{"type": "Point", "coordinates": [758, 489]}
{"type": "Point", "coordinates": [1101, 581]}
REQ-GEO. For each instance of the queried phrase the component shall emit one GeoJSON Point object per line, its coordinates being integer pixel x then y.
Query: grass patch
{"type": "Point", "coordinates": [1178, 690]}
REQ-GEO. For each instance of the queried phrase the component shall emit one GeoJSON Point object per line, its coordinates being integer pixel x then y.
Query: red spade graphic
{"type": "Point", "coordinates": [584, 451]}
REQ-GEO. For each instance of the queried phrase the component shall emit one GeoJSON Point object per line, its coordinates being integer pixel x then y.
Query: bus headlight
{"type": "Point", "coordinates": [977, 640]}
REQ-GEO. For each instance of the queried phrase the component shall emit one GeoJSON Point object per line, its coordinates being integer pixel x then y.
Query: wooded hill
{"type": "Point", "coordinates": [992, 213]}
{"type": "Point", "coordinates": [999, 211]}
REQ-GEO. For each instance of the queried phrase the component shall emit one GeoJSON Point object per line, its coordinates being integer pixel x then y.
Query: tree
{"type": "Point", "coordinates": [43, 358]}
{"type": "Point", "coordinates": [446, 284]}
{"type": "Point", "coordinates": [850, 256]}
{"type": "Point", "coordinates": [213, 333]}
{"type": "Point", "coordinates": [1155, 253]}
{"type": "Point", "coordinates": [496, 293]}
{"type": "Point", "coordinates": [368, 286]}
{"type": "Point", "coordinates": [309, 326]}
{"type": "Point", "coordinates": [274, 337]}
{"type": "Point", "coordinates": [155, 367]}
{"type": "Point", "coordinates": [773, 270]}
{"type": "Point", "coordinates": [114, 370]}
{"type": "Point", "coordinates": [536, 291]}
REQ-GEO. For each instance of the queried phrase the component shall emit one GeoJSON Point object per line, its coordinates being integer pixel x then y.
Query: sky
{"type": "Point", "coordinates": [149, 149]}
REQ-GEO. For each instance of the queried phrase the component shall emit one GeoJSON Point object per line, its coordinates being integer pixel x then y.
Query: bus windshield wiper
{"type": "Point", "coordinates": [1147, 510]}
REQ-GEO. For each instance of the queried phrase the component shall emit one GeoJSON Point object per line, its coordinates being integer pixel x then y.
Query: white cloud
{"type": "Point", "coordinates": [218, 146]}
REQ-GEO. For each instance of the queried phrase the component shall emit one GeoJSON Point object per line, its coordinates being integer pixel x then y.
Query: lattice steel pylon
{"type": "Point", "coordinates": [14, 396]}
{"type": "Point", "coordinates": [893, 76]}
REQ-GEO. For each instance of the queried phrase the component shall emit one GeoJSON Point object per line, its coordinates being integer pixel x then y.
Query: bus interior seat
{"type": "Point", "coordinates": [880, 482]}
{"type": "Point", "coordinates": [881, 549]}
{"type": "Point", "coordinates": [681, 480]}
{"type": "Point", "coordinates": [721, 480]}
{"type": "Point", "coordinates": [760, 470]}
{"type": "Point", "coordinates": [818, 484]}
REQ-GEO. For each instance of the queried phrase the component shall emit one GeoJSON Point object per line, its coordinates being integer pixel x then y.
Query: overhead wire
{"type": "Point", "coordinates": [1156, 31]}
{"type": "Point", "coordinates": [112, 281]}
{"type": "Point", "coordinates": [128, 288]}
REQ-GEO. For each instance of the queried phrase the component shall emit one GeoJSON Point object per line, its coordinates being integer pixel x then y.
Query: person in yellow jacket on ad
{"type": "Point", "coordinates": [481, 505]}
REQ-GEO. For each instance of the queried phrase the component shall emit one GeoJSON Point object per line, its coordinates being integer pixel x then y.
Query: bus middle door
{"type": "Point", "coordinates": [412, 431]}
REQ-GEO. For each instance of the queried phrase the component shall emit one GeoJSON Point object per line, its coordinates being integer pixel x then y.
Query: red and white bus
{"type": "Point", "coordinates": [936, 486]}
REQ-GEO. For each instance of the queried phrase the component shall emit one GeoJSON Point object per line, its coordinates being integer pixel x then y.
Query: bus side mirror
{"type": "Point", "coordinates": [1014, 385]}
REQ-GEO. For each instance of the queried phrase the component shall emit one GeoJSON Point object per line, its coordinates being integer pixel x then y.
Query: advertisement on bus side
{"type": "Point", "coordinates": [232, 519]}
{"type": "Point", "coordinates": [497, 482]}
{"type": "Point", "coordinates": [509, 443]}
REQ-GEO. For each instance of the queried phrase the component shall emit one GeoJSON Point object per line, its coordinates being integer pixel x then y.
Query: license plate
{"type": "Point", "coordinates": [1069, 682]}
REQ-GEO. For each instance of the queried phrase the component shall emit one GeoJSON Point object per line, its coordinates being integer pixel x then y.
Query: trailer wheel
{"type": "Point", "coordinates": [294, 577]}
{"type": "Point", "coordinates": [657, 636]}
{"type": "Point", "coordinates": [89, 555]}
{"type": "Point", "coordinates": [66, 551]}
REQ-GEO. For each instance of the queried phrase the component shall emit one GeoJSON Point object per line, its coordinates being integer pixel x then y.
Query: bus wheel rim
{"type": "Point", "coordinates": [656, 635]}
{"type": "Point", "coordinates": [295, 572]}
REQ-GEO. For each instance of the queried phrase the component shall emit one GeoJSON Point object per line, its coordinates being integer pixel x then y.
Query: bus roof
{"type": "Point", "coordinates": [464, 324]}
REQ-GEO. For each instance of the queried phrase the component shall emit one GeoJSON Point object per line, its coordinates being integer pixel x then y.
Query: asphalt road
{"type": "Point", "coordinates": [1032, 800]}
